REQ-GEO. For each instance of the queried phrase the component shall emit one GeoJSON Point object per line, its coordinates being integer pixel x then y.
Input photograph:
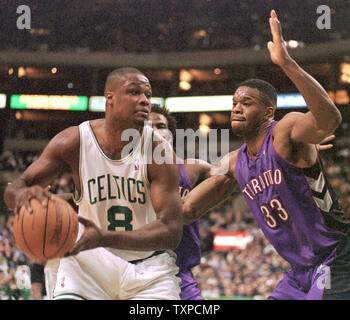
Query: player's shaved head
{"type": "Point", "coordinates": [268, 93]}
{"type": "Point", "coordinates": [119, 74]}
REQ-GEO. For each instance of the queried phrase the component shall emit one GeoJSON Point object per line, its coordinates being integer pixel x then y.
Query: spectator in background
{"type": "Point", "coordinates": [5, 291]}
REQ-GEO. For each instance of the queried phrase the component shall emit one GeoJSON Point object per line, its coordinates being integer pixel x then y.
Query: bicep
{"type": "Point", "coordinates": [52, 160]}
{"type": "Point", "coordinates": [302, 128]}
{"type": "Point", "coordinates": [164, 189]}
{"type": "Point", "coordinates": [43, 170]}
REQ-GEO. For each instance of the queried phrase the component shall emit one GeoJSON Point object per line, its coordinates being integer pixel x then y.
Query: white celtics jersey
{"type": "Point", "coordinates": [115, 194]}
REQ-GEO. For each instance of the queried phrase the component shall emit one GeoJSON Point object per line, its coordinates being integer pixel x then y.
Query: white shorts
{"type": "Point", "coordinates": [50, 271]}
{"type": "Point", "coordinates": [98, 274]}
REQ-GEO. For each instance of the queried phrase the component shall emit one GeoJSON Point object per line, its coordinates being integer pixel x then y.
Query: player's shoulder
{"type": "Point", "coordinates": [68, 135]}
{"type": "Point", "coordinates": [232, 159]}
{"type": "Point", "coordinates": [234, 153]}
{"type": "Point", "coordinates": [66, 140]}
{"type": "Point", "coordinates": [283, 128]}
{"type": "Point", "coordinates": [289, 119]}
{"type": "Point", "coordinates": [292, 116]}
{"type": "Point", "coordinates": [232, 156]}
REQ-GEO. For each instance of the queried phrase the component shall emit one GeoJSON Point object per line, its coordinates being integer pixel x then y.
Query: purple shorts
{"type": "Point", "coordinates": [189, 286]}
{"type": "Point", "coordinates": [297, 285]}
{"type": "Point", "coordinates": [329, 280]}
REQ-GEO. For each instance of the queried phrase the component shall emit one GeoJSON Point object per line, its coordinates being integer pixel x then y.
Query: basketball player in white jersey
{"type": "Point", "coordinates": [134, 203]}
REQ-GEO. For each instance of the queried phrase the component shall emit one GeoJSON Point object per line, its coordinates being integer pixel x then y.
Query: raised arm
{"type": "Point", "coordinates": [323, 116]}
{"type": "Point", "coordinates": [33, 182]}
{"type": "Point", "coordinates": [211, 191]}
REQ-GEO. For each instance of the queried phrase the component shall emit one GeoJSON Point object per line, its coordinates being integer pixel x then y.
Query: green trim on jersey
{"type": "Point", "coordinates": [117, 161]}
{"type": "Point", "coordinates": [68, 294]}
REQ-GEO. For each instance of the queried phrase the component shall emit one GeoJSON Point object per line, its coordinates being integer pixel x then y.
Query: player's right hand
{"type": "Point", "coordinates": [24, 195]}
{"type": "Point", "coordinates": [90, 239]}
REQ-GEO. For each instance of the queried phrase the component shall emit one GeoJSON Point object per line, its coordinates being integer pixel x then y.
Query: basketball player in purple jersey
{"type": "Point", "coordinates": [279, 172]}
{"type": "Point", "coordinates": [188, 252]}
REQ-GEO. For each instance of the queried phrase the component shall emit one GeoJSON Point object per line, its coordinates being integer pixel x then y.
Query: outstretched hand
{"type": "Point", "coordinates": [277, 47]}
{"type": "Point", "coordinates": [90, 239]}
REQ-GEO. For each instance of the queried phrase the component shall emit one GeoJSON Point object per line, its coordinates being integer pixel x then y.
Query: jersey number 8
{"type": "Point", "coordinates": [115, 223]}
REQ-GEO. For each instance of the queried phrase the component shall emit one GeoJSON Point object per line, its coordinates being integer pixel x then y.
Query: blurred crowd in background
{"type": "Point", "coordinates": [165, 26]}
{"type": "Point", "coordinates": [252, 272]}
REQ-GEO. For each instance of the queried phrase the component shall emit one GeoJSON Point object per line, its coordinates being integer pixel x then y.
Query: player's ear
{"type": "Point", "coordinates": [109, 96]}
{"type": "Point", "coordinates": [269, 112]}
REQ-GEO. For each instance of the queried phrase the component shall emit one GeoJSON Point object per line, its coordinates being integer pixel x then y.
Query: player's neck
{"type": "Point", "coordinates": [110, 139]}
{"type": "Point", "coordinates": [256, 139]}
{"type": "Point", "coordinates": [115, 130]}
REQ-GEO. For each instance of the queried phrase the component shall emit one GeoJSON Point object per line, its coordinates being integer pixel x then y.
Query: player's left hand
{"type": "Point", "coordinates": [90, 239]}
{"type": "Point", "coordinates": [323, 146]}
{"type": "Point", "coordinates": [277, 47]}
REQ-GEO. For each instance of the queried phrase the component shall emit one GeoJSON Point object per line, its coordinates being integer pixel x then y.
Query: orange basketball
{"type": "Point", "coordinates": [48, 232]}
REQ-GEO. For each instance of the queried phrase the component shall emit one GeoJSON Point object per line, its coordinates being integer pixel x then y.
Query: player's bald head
{"type": "Point", "coordinates": [119, 75]}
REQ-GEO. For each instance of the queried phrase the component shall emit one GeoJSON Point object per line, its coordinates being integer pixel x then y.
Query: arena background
{"type": "Point", "coordinates": [187, 49]}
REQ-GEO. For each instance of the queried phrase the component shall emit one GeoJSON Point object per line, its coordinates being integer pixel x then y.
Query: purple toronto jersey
{"type": "Point", "coordinates": [295, 207]}
{"type": "Point", "coordinates": [188, 251]}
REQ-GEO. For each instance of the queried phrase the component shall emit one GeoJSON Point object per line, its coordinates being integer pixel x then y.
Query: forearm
{"type": "Point", "coordinates": [326, 114]}
{"type": "Point", "coordinates": [205, 196]}
{"type": "Point", "coordinates": [153, 236]}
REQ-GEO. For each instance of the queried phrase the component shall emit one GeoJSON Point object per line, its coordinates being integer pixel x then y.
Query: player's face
{"type": "Point", "coordinates": [131, 99]}
{"type": "Point", "coordinates": [247, 112]}
{"type": "Point", "coordinates": [160, 124]}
